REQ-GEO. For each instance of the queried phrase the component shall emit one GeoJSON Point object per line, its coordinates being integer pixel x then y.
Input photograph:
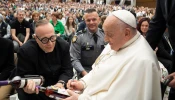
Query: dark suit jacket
{"type": "Point", "coordinates": [6, 58]}
{"type": "Point", "coordinates": [82, 26]}
{"type": "Point", "coordinates": [163, 19]}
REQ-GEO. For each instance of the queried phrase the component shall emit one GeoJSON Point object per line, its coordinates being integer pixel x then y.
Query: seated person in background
{"type": "Point", "coordinates": [103, 17]}
{"type": "Point", "coordinates": [4, 28]}
{"type": "Point", "coordinates": [70, 28]}
{"type": "Point", "coordinates": [127, 69]}
{"type": "Point", "coordinates": [143, 26]}
{"type": "Point", "coordinates": [6, 66]}
{"type": "Point", "coordinates": [20, 30]}
{"type": "Point", "coordinates": [58, 26]}
{"type": "Point", "coordinates": [46, 55]}
{"type": "Point", "coordinates": [35, 18]}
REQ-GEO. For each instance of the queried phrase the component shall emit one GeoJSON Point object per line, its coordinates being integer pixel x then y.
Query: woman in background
{"type": "Point", "coordinates": [35, 17]}
{"type": "Point", "coordinates": [58, 26]}
{"type": "Point", "coordinates": [143, 26]}
{"type": "Point", "coordinates": [70, 28]}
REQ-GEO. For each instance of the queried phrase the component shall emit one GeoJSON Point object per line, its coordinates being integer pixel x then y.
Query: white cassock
{"type": "Point", "coordinates": [132, 73]}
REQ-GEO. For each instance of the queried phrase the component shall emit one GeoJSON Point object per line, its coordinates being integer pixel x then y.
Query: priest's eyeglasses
{"type": "Point", "coordinates": [45, 40]}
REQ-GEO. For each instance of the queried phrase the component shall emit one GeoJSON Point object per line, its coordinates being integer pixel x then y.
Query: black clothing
{"type": "Point", "coordinates": [82, 26]}
{"type": "Point", "coordinates": [6, 58]}
{"type": "Point", "coordinates": [164, 18]}
{"type": "Point", "coordinates": [53, 66]}
{"type": "Point", "coordinates": [3, 29]}
{"type": "Point", "coordinates": [32, 29]}
{"type": "Point", "coordinates": [163, 54]}
{"type": "Point", "coordinates": [20, 27]}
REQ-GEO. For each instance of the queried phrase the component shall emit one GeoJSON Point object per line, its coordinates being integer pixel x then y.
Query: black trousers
{"type": "Point", "coordinates": [172, 94]}
{"type": "Point", "coordinates": [172, 91]}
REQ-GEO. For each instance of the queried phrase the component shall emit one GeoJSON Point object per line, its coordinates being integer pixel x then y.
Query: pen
{"type": "Point", "coordinates": [75, 76]}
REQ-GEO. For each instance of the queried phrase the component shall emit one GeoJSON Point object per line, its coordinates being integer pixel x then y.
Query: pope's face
{"type": "Point", "coordinates": [114, 35]}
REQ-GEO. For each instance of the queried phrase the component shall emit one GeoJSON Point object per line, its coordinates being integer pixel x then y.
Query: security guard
{"type": "Point", "coordinates": [87, 44]}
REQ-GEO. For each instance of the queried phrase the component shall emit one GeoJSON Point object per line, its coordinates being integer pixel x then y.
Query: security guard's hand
{"type": "Point", "coordinates": [31, 87]}
{"type": "Point", "coordinates": [83, 73]}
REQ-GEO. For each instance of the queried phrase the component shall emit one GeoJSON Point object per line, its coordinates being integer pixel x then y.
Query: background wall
{"type": "Point", "coordinates": [148, 3]}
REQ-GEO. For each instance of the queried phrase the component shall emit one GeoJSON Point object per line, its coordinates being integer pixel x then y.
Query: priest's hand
{"type": "Point", "coordinates": [31, 87]}
{"type": "Point", "coordinates": [75, 85]}
{"type": "Point", "coordinates": [59, 85]}
{"type": "Point", "coordinates": [73, 95]}
{"type": "Point", "coordinates": [172, 83]}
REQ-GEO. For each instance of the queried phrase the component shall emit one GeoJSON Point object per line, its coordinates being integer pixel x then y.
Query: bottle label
{"type": "Point", "coordinates": [23, 83]}
{"type": "Point", "coordinates": [37, 82]}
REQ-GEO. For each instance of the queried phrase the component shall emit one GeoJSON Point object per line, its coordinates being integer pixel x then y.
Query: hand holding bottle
{"type": "Point", "coordinates": [18, 82]}
{"type": "Point", "coordinates": [59, 85]}
{"type": "Point", "coordinates": [31, 87]}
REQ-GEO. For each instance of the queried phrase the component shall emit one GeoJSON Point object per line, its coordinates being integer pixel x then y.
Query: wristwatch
{"type": "Point", "coordinates": [62, 82]}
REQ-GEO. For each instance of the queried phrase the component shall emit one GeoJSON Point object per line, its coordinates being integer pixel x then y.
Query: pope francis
{"type": "Point", "coordinates": [127, 69]}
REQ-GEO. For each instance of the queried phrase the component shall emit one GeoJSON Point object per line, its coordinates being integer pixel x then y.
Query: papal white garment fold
{"type": "Point", "coordinates": [132, 73]}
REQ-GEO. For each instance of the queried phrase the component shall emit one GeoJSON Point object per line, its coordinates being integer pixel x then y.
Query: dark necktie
{"type": "Point", "coordinates": [95, 37]}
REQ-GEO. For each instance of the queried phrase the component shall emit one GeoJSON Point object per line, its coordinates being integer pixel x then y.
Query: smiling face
{"type": "Point", "coordinates": [144, 27]}
{"type": "Point", "coordinates": [92, 20]}
{"type": "Point", "coordinates": [45, 31]}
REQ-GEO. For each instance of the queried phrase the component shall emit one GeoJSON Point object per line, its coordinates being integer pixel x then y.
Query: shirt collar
{"type": "Point", "coordinates": [91, 34]}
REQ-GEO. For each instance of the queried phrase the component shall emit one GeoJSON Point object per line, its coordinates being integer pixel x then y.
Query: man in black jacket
{"type": "Point", "coordinates": [6, 65]}
{"type": "Point", "coordinates": [164, 18]}
{"type": "Point", "coordinates": [4, 28]}
{"type": "Point", "coordinates": [46, 55]}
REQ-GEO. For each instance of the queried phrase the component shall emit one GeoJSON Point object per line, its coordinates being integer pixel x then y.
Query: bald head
{"type": "Point", "coordinates": [44, 31]}
{"type": "Point", "coordinates": [43, 23]}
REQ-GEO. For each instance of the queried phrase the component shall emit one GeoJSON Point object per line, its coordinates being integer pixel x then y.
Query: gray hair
{"type": "Point", "coordinates": [41, 22]}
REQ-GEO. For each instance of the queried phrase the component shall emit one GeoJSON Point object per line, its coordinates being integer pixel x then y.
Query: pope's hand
{"type": "Point", "coordinates": [73, 95]}
{"type": "Point", "coordinates": [75, 85]}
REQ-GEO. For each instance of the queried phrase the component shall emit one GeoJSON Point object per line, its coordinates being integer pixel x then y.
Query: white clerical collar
{"type": "Point", "coordinates": [131, 41]}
